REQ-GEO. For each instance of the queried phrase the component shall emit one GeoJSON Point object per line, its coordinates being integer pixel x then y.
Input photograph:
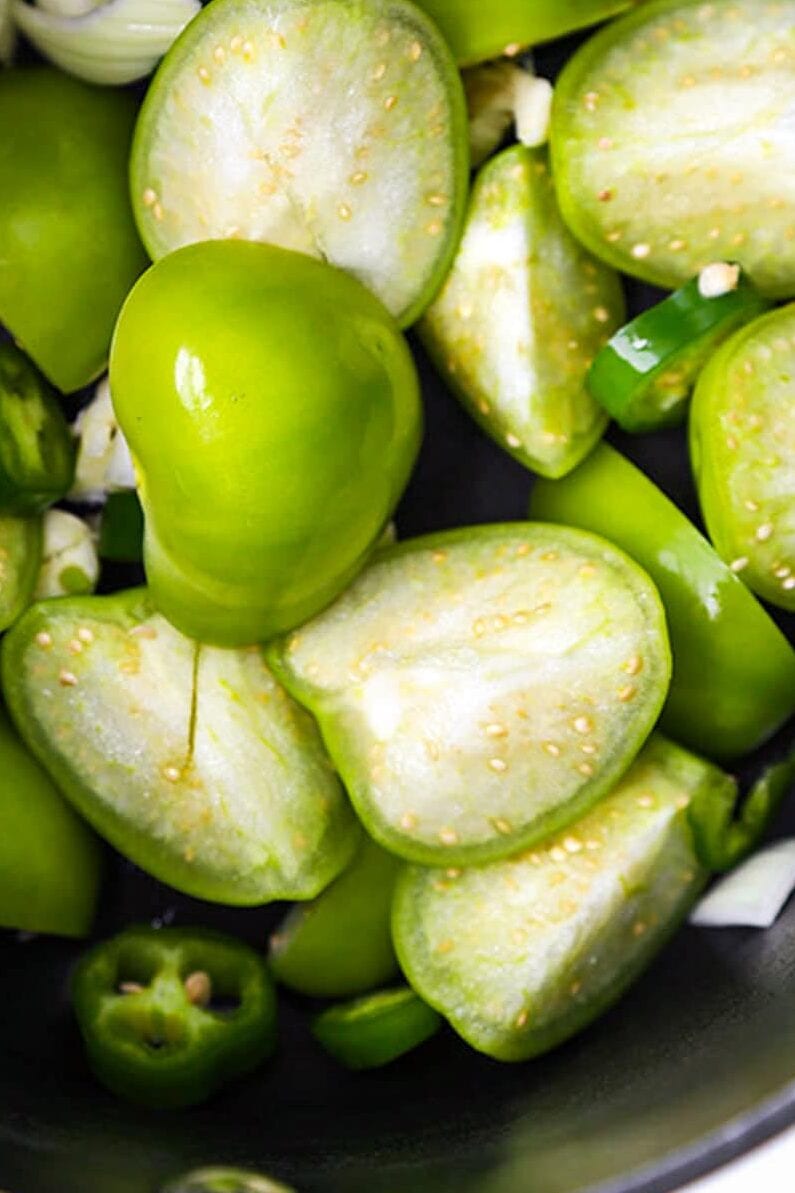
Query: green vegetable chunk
{"type": "Point", "coordinates": [20, 558]}
{"type": "Point", "coordinates": [742, 442]}
{"type": "Point", "coordinates": [168, 1015]}
{"type": "Point", "coordinates": [121, 535]}
{"type": "Point", "coordinates": [481, 29]}
{"type": "Point", "coordinates": [49, 860]}
{"type": "Point", "coordinates": [69, 248]}
{"type": "Point", "coordinates": [521, 316]}
{"type": "Point", "coordinates": [644, 376]}
{"type": "Point", "coordinates": [734, 671]}
{"type": "Point", "coordinates": [37, 451]}
{"type": "Point", "coordinates": [376, 1030]}
{"type": "Point", "coordinates": [336, 128]}
{"type": "Point", "coordinates": [290, 405]}
{"type": "Point", "coordinates": [672, 141]}
{"type": "Point", "coordinates": [191, 761]}
{"type": "Point", "coordinates": [725, 834]}
{"type": "Point", "coordinates": [341, 944]}
{"type": "Point", "coordinates": [479, 689]}
{"type": "Point", "coordinates": [521, 954]}
{"type": "Point", "coordinates": [224, 1180]}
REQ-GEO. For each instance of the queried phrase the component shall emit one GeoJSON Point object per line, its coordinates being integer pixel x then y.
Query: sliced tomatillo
{"type": "Point", "coordinates": [191, 761]}
{"type": "Point", "coordinates": [521, 954]}
{"type": "Point", "coordinates": [224, 1180]}
{"type": "Point", "coordinates": [726, 829]}
{"type": "Point", "coordinates": [37, 452]}
{"type": "Point", "coordinates": [290, 405]}
{"type": "Point", "coordinates": [168, 1015]}
{"type": "Point", "coordinates": [672, 141]}
{"type": "Point", "coordinates": [478, 31]}
{"type": "Point", "coordinates": [20, 559]}
{"type": "Point", "coordinates": [501, 94]}
{"type": "Point", "coordinates": [479, 689]}
{"type": "Point", "coordinates": [328, 126]}
{"type": "Point", "coordinates": [341, 943]}
{"type": "Point", "coordinates": [521, 316]}
{"type": "Point", "coordinates": [734, 671]}
{"type": "Point", "coordinates": [70, 250]}
{"type": "Point", "coordinates": [742, 441]}
{"type": "Point", "coordinates": [49, 860]}
{"type": "Point", "coordinates": [644, 376]}
{"type": "Point", "coordinates": [69, 564]}
{"type": "Point", "coordinates": [376, 1030]}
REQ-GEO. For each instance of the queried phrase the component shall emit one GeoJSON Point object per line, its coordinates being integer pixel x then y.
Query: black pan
{"type": "Point", "coordinates": [695, 1066]}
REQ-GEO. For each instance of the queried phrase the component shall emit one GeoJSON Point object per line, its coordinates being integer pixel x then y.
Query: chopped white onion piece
{"type": "Point", "coordinates": [753, 895]}
{"type": "Point", "coordinates": [104, 464]}
{"type": "Point", "coordinates": [70, 565]}
{"type": "Point", "coordinates": [500, 94]}
{"type": "Point", "coordinates": [112, 42]}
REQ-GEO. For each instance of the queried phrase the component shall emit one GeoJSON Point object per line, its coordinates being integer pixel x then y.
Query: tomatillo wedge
{"type": "Point", "coordinates": [274, 419]}
{"type": "Point", "coordinates": [21, 541]}
{"type": "Point", "coordinates": [481, 688]}
{"type": "Point", "coordinates": [70, 249]}
{"type": "Point", "coordinates": [644, 376]}
{"type": "Point", "coordinates": [168, 1015]}
{"type": "Point", "coordinates": [734, 671]}
{"type": "Point", "coordinates": [376, 1030]}
{"type": "Point", "coordinates": [50, 862]}
{"type": "Point", "coordinates": [742, 447]}
{"type": "Point", "coordinates": [672, 141]}
{"type": "Point", "coordinates": [522, 954]}
{"type": "Point", "coordinates": [477, 31]}
{"type": "Point", "coordinates": [336, 127]}
{"type": "Point", "coordinates": [191, 761]}
{"type": "Point", "coordinates": [521, 317]}
{"type": "Point", "coordinates": [341, 943]}
{"type": "Point", "coordinates": [37, 451]}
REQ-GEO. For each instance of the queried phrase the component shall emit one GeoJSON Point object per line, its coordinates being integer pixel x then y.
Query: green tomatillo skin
{"type": "Point", "coordinates": [20, 551]}
{"type": "Point", "coordinates": [70, 251]}
{"type": "Point", "coordinates": [274, 418]}
{"type": "Point", "coordinates": [50, 861]}
{"type": "Point", "coordinates": [477, 30]}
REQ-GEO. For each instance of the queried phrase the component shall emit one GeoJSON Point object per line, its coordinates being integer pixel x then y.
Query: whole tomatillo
{"type": "Point", "coordinates": [272, 408]}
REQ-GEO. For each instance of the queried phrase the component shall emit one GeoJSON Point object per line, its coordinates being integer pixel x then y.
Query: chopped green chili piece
{"type": "Point", "coordinates": [376, 1030]}
{"type": "Point", "coordinates": [37, 450]}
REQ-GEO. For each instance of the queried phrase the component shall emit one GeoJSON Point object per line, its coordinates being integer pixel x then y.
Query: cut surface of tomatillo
{"type": "Point", "coordinates": [742, 443]}
{"type": "Point", "coordinates": [192, 761]}
{"type": "Point", "coordinates": [480, 688]}
{"type": "Point", "coordinates": [335, 128]}
{"type": "Point", "coordinates": [673, 139]}
{"type": "Point", "coordinates": [521, 954]}
{"type": "Point", "coordinates": [521, 316]}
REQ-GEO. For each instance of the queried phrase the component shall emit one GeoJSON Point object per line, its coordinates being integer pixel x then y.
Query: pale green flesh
{"type": "Point", "coordinates": [335, 127]}
{"type": "Point", "coordinates": [673, 138]}
{"type": "Point", "coordinates": [744, 454]}
{"type": "Point", "coordinates": [520, 954]}
{"type": "Point", "coordinates": [480, 688]}
{"type": "Point", "coordinates": [220, 788]}
{"type": "Point", "coordinates": [521, 317]}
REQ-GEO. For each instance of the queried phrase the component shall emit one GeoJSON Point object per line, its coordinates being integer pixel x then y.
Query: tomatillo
{"type": "Point", "coordinates": [70, 251]}
{"type": "Point", "coordinates": [273, 411]}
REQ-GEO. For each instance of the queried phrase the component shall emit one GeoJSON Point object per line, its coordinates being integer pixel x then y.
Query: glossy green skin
{"type": "Point", "coordinates": [340, 944]}
{"type": "Point", "coordinates": [155, 1046]}
{"type": "Point", "coordinates": [70, 249]}
{"type": "Point", "coordinates": [644, 376]}
{"type": "Point", "coordinates": [734, 671]}
{"type": "Point", "coordinates": [290, 406]}
{"type": "Point", "coordinates": [37, 449]}
{"type": "Point", "coordinates": [742, 448]}
{"type": "Point", "coordinates": [50, 862]}
{"type": "Point", "coordinates": [20, 551]}
{"type": "Point", "coordinates": [481, 29]}
{"type": "Point", "coordinates": [376, 1030]}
